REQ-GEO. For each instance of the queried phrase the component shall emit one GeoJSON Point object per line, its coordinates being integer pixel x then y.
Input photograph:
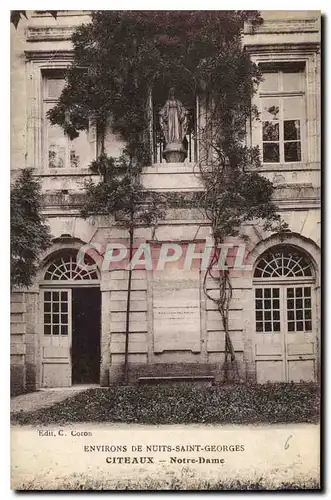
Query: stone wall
{"type": "Point", "coordinates": [17, 343]}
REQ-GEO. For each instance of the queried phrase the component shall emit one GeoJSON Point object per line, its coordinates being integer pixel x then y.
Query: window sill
{"type": "Point", "coordinates": [171, 168]}
{"type": "Point", "coordinates": [58, 172]}
{"type": "Point", "coordinates": [288, 167]}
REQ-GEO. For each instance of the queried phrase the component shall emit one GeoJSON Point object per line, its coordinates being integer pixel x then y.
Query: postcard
{"type": "Point", "coordinates": [165, 250]}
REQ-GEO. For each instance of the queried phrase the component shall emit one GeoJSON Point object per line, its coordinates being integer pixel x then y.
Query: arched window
{"type": "Point", "coordinates": [283, 262]}
{"type": "Point", "coordinates": [283, 294]}
{"type": "Point", "coordinates": [69, 267]}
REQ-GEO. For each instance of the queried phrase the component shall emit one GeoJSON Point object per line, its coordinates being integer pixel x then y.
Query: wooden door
{"type": "Point", "coordinates": [285, 340]}
{"type": "Point", "coordinates": [56, 338]}
{"type": "Point", "coordinates": [300, 346]}
{"type": "Point", "coordinates": [269, 334]}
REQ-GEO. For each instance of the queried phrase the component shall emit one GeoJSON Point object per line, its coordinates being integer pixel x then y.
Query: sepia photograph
{"type": "Point", "coordinates": [165, 247]}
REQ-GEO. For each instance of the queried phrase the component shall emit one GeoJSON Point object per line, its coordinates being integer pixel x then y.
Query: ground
{"type": "Point", "coordinates": [242, 404]}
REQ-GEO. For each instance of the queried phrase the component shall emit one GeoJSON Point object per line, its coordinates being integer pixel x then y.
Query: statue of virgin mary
{"type": "Point", "coordinates": [173, 120]}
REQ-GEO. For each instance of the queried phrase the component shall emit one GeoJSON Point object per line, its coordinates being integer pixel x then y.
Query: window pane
{"type": "Point", "coordinates": [54, 87]}
{"type": "Point", "coordinates": [80, 150]}
{"type": "Point", "coordinates": [308, 326]}
{"type": "Point", "coordinates": [307, 291]}
{"type": "Point", "coordinates": [56, 318]}
{"type": "Point", "coordinates": [64, 307]}
{"type": "Point", "coordinates": [47, 296]}
{"type": "Point", "coordinates": [307, 303]}
{"type": "Point", "coordinates": [298, 292]}
{"type": "Point", "coordinates": [64, 330]}
{"type": "Point", "coordinates": [270, 109]}
{"type": "Point", "coordinates": [270, 152]}
{"type": "Point", "coordinates": [299, 314]}
{"type": "Point", "coordinates": [64, 318]}
{"type": "Point", "coordinates": [267, 315]}
{"type": "Point", "coordinates": [56, 156]}
{"type": "Point", "coordinates": [267, 327]}
{"type": "Point", "coordinates": [47, 329]}
{"type": "Point", "coordinates": [258, 315]}
{"type": "Point", "coordinates": [298, 303]}
{"type": "Point", "coordinates": [275, 304]}
{"type": "Point", "coordinates": [64, 295]}
{"type": "Point", "coordinates": [291, 326]}
{"type": "Point", "coordinates": [291, 130]}
{"type": "Point", "coordinates": [56, 307]}
{"type": "Point", "coordinates": [290, 315]}
{"type": "Point", "coordinates": [308, 314]}
{"type": "Point", "coordinates": [267, 293]}
{"type": "Point", "coordinates": [56, 329]}
{"type": "Point", "coordinates": [55, 295]}
{"type": "Point", "coordinates": [47, 307]}
{"type": "Point", "coordinates": [258, 304]}
{"type": "Point", "coordinates": [290, 292]}
{"type": "Point", "coordinates": [276, 327]}
{"type": "Point", "coordinates": [275, 292]}
{"type": "Point", "coordinates": [292, 81]}
{"type": "Point", "coordinates": [292, 151]}
{"type": "Point", "coordinates": [259, 326]}
{"type": "Point", "coordinates": [267, 304]}
{"type": "Point", "coordinates": [276, 315]}
{"type": "Point", "coordinates": [258, 292]}
{"type": "Point", "coordinates": [270, 131]}
{"type": "Point", "coordinates": [47, 318]}
{"type": "Point", "coordinates": [293, 108]}
{"type": "Point", "coordinates": [299, 326]}
{"type": "Point", "coordinates": [270, 82]}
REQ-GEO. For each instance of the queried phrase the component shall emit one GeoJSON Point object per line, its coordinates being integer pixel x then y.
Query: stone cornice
{"type": "Point", "coordinates": [52, 55]}
{"type": "Point", "coordinates": [269, 26]}
{"type": "Point", "coordinates": [46, 33]}
{"type": "Point", "coordinates": [292, 48]}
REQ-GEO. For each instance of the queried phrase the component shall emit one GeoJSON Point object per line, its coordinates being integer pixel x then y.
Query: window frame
{"type": "Point", "coordinates": [281, 94]}
{"type": "Point", "coordinates": [283, 284]}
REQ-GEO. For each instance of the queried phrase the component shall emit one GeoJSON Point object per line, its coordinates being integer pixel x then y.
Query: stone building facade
{"type": "Point", "coordinates": [69, 327]}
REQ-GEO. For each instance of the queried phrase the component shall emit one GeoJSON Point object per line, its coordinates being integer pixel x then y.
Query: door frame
{"type": "Point", "coordinates": [62, 285]}
{"type": "Point", "coordinates": [283, 285]}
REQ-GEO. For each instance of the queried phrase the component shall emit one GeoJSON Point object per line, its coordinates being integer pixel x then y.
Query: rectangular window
{"type": "Point", "coordinates": [267, 309]}
{"type": "Point", "coordinates": [56, 317]}
{"type": "Point", "coordinates": [299, 309]}
{"type": "Point", "coordinates": [282, 112]}
{"type": "Point", "coordinates": [59, 150]}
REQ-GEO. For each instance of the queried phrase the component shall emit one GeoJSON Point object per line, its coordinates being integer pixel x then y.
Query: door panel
{"type": "Point", "coordinates": [86, 326]}
{"type": "Point", "coordinates": [301, 370]}
{"type": "Point", "coordinates": [269, 371]}
{"type": "Point", "coordinates": [289, 354]}
{"type": "Point", "coordinates": [56, 338]}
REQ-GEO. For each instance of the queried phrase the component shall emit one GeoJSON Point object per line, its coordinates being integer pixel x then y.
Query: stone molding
{"type": "Point", "coordinates": [284, 26]}
{"type": "Point", "coordinates": [46, 33]}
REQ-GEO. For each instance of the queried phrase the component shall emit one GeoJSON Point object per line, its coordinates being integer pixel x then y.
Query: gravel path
{"type": "Point", "coordinates": [42, 399]}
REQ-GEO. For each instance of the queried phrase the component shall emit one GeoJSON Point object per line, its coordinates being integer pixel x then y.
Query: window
{"type": "Point", "coordinates": [56, 313]}
{"type": "Point", "coordinates": [283, 294]}
{"type": "Point", "coordinates": [282, 112]}
{"type": "Point", "coordinates": [68, 268]}
{"type": "Point", "coordinates": [59, 150]}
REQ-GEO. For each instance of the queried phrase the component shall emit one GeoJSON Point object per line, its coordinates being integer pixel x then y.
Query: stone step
{"type": "Point", "coordinates": [175, 379]}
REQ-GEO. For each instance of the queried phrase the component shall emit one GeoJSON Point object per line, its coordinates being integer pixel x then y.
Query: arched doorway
{"type": "Point", "coordinates": [71, 322]}
{"type": "Point", "coordinates": [285, 323]}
